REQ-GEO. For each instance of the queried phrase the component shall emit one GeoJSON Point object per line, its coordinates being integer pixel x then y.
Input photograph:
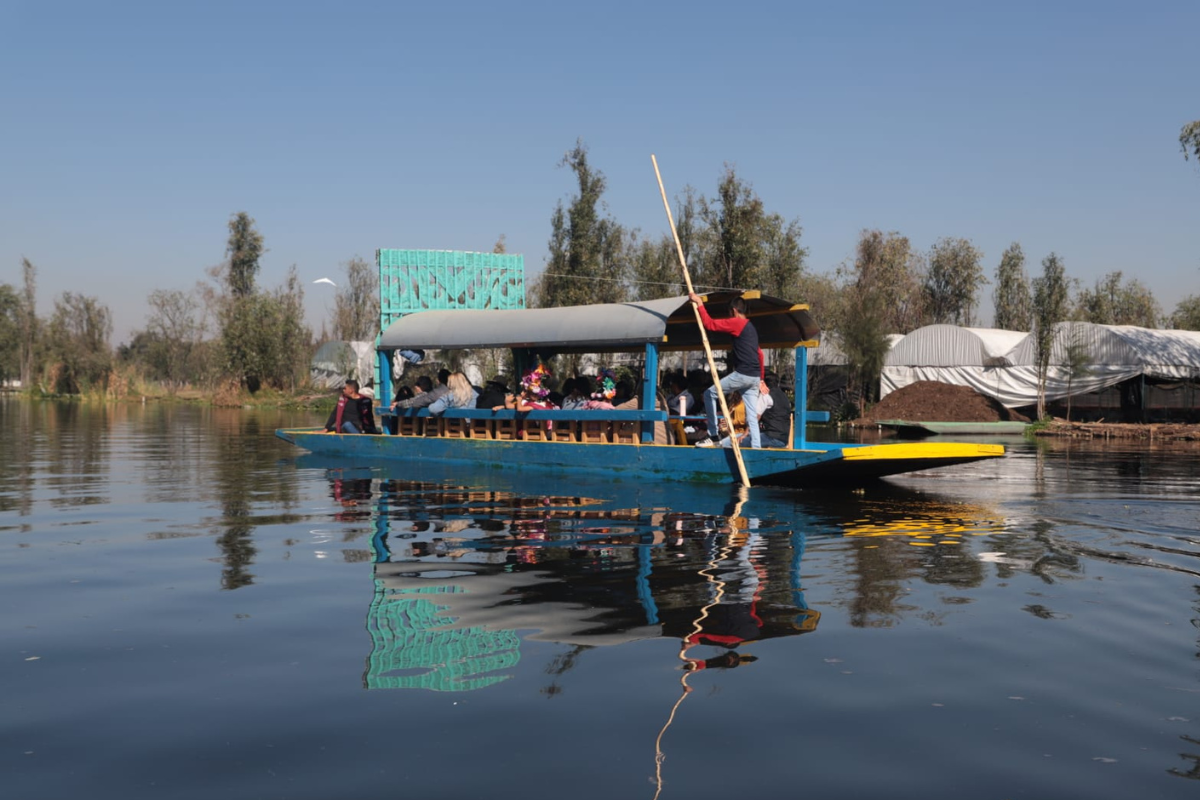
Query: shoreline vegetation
{"type": "Point", "coordinates": [228, 397]}
{"type": "Point", "coordinates": [1143, 431]}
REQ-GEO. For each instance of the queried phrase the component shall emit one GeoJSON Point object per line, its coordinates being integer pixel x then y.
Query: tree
{"type": "Point", "coordinates": [501, 245]}
{"type": "Point", "coordinates": [740, 244]}
{"type": "Point", "coordinates": [1050, 295]}
{"type": "Point", "coordinates": [78, 342]}
{"type": "Point", "coordinates": [1187, 314]}
{"type": "Point", "coordinates": [10, 333]}
{"type": "Point", "coordinates": [886, 279]}
{"type": "Point", "coordinates": [28, 322]}
{"type": "Point", "coordinates": [243, 250]}
{"type": "Point", "coordinates": [174, 331]}
{"type": "Point", "coordinates": [1111, 303]}
{"type": "Point", "coordinates": [1189, 139]}
{"type": "Point", "coordinates": [240, 310]}
{"type": "Point", "coordinates": [879, 294]}
{"type": "Point", "coordinates": [952, 283]}
{"type": "Point", "coordinates": [1077, 362]}
{"type": "Point", "coordinates": [588, 252]}
{"type": "Point", "coordinates": [291, 339]}
{"type": "Point", "coordinates": [1013, 304]}
{"type": "Point", "coordinates": [356, 305]}
{"type": "Point", "coordinates": [655, 266]}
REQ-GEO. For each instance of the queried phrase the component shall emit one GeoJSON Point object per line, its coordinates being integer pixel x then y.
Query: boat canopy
{"type": "Point", "coordinates": [668, 323]}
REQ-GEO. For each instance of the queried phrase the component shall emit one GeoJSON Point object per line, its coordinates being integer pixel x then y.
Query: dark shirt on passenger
{"type": "Point", "coordinates": [350, 413]}
{"type": "Point", "coordinates": [776, 421]}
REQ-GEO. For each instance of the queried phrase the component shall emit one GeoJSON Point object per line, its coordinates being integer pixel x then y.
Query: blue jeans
{"type": "Point", "coordinates": [766, 441]}
{"type": "Point", "coordinates": [350, 427]}
{"type": "Point", "coordinates": [748, 386]}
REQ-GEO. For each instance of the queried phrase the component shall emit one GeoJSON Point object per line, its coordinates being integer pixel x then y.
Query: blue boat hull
{"type": "Point", "coordinates": [818, 463]}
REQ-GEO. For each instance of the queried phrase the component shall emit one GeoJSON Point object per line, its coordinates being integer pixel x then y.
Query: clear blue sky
{"type": "Point", "coordinates": [131, 131]}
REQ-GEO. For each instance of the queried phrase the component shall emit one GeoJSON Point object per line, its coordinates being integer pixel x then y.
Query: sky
{"type": "Point", "coordinates": [130, 132]}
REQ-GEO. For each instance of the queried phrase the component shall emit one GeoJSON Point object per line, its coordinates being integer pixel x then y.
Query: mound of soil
{"type": "Point", "coordinates": [929, 401]}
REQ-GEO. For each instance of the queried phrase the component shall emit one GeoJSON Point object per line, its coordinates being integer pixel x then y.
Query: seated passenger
{"type": "Point", "coordinates": [624, 392]}
{"type": "Point", "coordinates": [347, 416]}
{"type": "Point", "coordinates": [427, 394]}
{"type": "Point", "coordinates": [775, 421]}
{"type": "Point", "coordinates": [606, 391]}
{"type": "Point", "coordinates": [493, 392]}
{"type": "Point", "coordinates": [461, 395]}
{"type": "Point", "coordinates": [534, 396]}
{"type": "Point", "coordinates": [680, 401]}
{"type": "Point", "coordinates": [366, 409]}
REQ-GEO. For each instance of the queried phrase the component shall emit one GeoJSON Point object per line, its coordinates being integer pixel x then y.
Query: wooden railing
{"type": "Point", "coordinates": [602, 426]}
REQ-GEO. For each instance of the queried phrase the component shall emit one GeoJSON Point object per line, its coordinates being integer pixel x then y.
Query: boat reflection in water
{"type": "Point", "coordinates": [451, 594]}
{"type": "Point", "coordinates": [459, 572]}
{"type": "Point", "coordinates": [463, 575]}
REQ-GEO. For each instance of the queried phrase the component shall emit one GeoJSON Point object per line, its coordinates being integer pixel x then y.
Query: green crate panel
{"type": "Point", "coordinates": [423, 280]}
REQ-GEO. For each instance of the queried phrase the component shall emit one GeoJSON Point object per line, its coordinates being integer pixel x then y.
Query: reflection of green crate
{"type": "Point", "coordinates": [423, 280]}
{"type": "Point", "coordinates": [414, 645]}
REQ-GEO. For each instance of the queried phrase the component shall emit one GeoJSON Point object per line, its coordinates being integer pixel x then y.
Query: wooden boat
{"type": "Point", "coordinates": [617, 441]}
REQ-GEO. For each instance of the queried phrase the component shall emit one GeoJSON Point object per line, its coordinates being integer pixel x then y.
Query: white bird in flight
{"type": "Point", "coordinates": [325, 280]}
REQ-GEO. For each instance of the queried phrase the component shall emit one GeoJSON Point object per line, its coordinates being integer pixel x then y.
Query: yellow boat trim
{"type": "Point", "coordinates": [918, 450]}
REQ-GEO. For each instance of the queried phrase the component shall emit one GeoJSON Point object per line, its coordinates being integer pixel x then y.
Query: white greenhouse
{"type": "Point", "coordinates": [974, 357]}
{"type": "Point", "coordinates": [1142, 368]}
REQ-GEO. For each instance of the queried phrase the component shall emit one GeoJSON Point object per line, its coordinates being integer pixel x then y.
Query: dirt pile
{"type": "Point", "coordinates": [929, 401]}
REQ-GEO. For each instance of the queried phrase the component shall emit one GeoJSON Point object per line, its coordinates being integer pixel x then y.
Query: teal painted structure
{"type": "Point", "coordinates": [437, 280]}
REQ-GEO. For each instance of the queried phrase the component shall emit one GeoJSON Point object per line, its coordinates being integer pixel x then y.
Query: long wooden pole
{"type": "Point", "coordinates": [712, 365]}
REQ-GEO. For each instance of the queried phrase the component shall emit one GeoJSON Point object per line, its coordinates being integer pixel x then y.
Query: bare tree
{"type": "Point", "coordinates": [356, 306]}
{"type": "Point", "coordinates": [176, 328]}
{"type": "Point", "coordinates": [28, 322]}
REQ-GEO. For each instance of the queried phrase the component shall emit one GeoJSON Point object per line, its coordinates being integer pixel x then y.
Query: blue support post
{"type": "Point", "coordinates": [380, 552]}
{"type": "Point", "coordinates": [800, 413]}
{"type": "Point", "coordinates": [645, 596]}
{"type": "Point", "coordinates": [383, 370]}
{"type": "Point", "coordinates": [649, 389]}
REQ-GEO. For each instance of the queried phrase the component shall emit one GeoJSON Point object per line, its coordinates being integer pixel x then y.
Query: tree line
{"type": "Point", "coordinates": [891, 286]}
{"type": "Point", "coordinates": [229, 333]}
{"type": "Point", "coordinates": [224, 335]}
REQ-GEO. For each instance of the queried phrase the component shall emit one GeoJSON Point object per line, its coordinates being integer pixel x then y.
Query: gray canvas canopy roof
{"type": "Point", "coordinates": [669, 323]}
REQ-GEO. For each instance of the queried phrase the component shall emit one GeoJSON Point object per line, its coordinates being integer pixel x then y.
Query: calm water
{"type": "Point", "coordinates": [191, 609]}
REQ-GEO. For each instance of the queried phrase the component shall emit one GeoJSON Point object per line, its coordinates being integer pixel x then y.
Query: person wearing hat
{"type": "Point", "coordinates": [493, 393]}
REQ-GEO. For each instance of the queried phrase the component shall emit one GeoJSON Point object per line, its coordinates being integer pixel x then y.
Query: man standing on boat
{"type": "Point", "coordinates": [746, 365]}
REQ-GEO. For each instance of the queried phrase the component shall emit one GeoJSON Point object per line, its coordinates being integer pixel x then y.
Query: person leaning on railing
{"type": "Point", "coordinates": [427, 394]}
{"type": "Point", "coordinates": [460, 394]}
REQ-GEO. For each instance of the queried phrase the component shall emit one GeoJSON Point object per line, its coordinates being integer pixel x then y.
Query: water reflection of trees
{"type": "Point", "coordinates": [65, 444]}
{"type": "Point", "coordinates": [246, 476]}
{"type": "Point", "coordinates": [17, 442]}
